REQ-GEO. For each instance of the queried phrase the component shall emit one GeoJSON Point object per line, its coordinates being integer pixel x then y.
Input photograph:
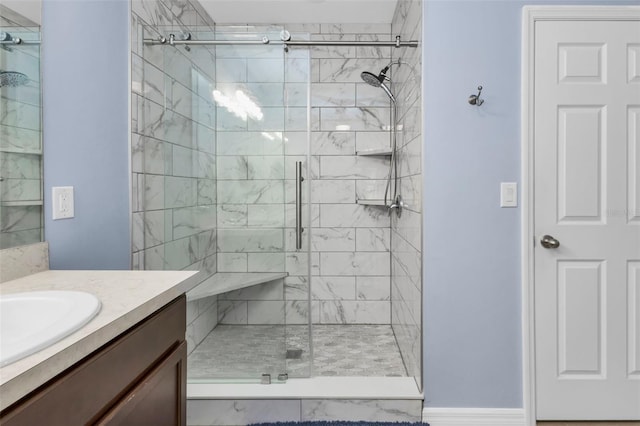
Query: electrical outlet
{"type": "Point", "coordinates": [62, 197]}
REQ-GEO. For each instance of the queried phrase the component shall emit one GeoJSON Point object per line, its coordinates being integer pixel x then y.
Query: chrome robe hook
{"type": "Point", "coordinates": [475, 99]}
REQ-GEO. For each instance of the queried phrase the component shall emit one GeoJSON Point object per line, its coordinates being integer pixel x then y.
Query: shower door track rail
{"type": "Point", "coordinates": [291, 43]}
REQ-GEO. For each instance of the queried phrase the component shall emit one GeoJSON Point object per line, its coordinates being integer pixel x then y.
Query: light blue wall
{"type": "Point", "coordinates": [472, 315]}
{"type": "Point", "coordinates": [472, 288]}
{"type": "Point", "coordinates": [85, 66]}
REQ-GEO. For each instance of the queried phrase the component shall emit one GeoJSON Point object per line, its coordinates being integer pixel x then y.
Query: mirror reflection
{"type": "Point", "coordinates": [21, 199]}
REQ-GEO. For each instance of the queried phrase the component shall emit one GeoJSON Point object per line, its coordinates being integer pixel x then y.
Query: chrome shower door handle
{"type": "Point", "coordinates": [299, 228]}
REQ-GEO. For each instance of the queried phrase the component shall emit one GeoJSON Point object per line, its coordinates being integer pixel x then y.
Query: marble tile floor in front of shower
{"type": "Point", "coordinates": [248, 351]}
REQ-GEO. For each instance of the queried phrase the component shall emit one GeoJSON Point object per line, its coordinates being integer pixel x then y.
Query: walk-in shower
{"type": "Point", "coordinates": [266, 162]}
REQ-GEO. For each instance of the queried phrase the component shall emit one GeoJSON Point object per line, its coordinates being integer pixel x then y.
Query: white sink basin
{"type": "Point", "coordinates": [35, 320]}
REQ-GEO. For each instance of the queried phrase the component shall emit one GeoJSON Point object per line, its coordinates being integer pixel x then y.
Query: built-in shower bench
{"type": "Point", "coordinates": [222, 282]}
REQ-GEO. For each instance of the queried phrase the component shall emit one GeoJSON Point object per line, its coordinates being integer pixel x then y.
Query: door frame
{"type": "Point", "coordinates": [531, 15]}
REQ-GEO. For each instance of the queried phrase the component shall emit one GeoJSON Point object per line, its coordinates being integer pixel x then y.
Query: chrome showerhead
{"type": "Point", "coordinates": [371, 79]}
{"type": "Point", "coordinates": [378, 81]}
{"type": "Point", "coordinates": [13, 79]}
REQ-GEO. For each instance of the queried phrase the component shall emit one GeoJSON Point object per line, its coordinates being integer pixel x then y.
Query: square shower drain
{"type": "Point", "coordinates": [294, 353]}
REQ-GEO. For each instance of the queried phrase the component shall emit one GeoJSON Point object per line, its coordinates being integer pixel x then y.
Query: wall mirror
{"type": "Point", "coordinates": [21, 196]}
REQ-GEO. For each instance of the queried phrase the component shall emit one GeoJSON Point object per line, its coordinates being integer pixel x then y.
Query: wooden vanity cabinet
{"type": "Point", "coordinates": [139, 378]}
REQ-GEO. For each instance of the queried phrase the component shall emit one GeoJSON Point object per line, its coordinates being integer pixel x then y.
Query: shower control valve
{"type": "Point", "coordinates": [398, 205]}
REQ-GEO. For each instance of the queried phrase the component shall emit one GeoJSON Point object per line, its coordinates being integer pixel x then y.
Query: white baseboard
{"type": "Point", "coordinates": [474, 416]}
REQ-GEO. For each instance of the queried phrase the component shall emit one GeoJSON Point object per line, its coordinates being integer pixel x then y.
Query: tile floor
{"type": "Point", "coordinates": [246, 352]}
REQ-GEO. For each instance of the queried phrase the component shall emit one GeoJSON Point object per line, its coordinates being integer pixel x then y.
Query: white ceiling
{"type": "Point", "coordinates": [300, 11]}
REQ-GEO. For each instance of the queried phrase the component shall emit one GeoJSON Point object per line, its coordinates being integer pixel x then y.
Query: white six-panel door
{"type": "Point", "coordinates": [587, 198]}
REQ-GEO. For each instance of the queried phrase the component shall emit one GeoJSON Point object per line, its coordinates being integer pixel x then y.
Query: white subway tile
{"type": "Point", "coordinates": [373, 239]}
{"type": "Point", "coordinates": [333, 95]}
{"type": "Point", "coordinates": [333, 239]}
{"type": "Point", "coordinates": [353, 215]}
{"type": "Point", "coordinates": [354, 312]}
{"type": "Point", "coordinates": [236, 412]}
{"type": "Point", "coordinates": [333, 191]}
{"type": "Point", "coordinates": [373, 288]}
{"type": "Point", "coordinates": [266, 262]}
{"type": "Point", "coordinates": [266, 312]}
{"type": "Point", "coordinates": [355, 263]}
{"type": "Point", "coordinates": [333, 143]}
{"type": "Point", "coordinates": [358, 118]}
{"type": "Point", "coordinates": [250, 240]}
{"type": "Point", "coordinates": [333, 288]}
{"type": "Point", "coordinates": [362, 410]}
{"type": "Point", "coordinates": [232, 167]}
{"type": "Point", "coordinates": [232, 262]}
{"type": "Point", "coordinates": [232, 312]}
{"type": "Point", "coordinates": [249, 192]}
{"type": "Point", "coordinates": [265, 70]}
{"type": "Point", "coordinates": [265, 167]}
{"type": "Point", "coordinates": [297, 312]}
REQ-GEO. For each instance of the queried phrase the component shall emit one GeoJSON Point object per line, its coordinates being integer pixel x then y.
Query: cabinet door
{"type": "Point", "coordinates": [158, 399]}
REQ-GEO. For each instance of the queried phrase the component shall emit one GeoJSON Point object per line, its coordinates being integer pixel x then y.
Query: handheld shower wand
{"type": "Point", "coordinates": [395, 201]}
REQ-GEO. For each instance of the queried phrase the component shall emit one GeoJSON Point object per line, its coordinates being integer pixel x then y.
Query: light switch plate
{"type": "Point", "coordinates": [62, 202]}
{"type": "Point", "coordinates": [508, 194]}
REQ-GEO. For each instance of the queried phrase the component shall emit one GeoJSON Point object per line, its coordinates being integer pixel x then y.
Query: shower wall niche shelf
{"type": "Point", "coordinates": [372, 202]}
{"type": "Point", "coordinates": [384, 152]}
{"type": "Point", "coordinates": [222, 282]}
{"type": "Point", "coordinates": [375, 152]}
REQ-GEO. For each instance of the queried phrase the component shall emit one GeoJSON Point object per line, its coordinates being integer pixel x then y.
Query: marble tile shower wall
{"type": "Point", "coordinates": [350, 242]}
{"type": "Point", "coordinates": [20, 142]}
{"type": "Point", "coordinates": [406, 261]}
{"type": "Point", "coordinates": [350, 259]}
{"type": "Point", "coordinates": [173, 151]}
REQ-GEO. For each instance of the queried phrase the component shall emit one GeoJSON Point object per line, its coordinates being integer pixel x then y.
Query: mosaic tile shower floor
{"type": "Point", "coordinates": [247, 351]}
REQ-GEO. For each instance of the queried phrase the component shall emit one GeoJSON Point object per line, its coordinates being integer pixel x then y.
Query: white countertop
{"type": "Point", "coordinates": [127, 297]}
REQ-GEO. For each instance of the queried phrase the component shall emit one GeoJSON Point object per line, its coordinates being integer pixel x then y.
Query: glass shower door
{"type": "Point", "coordinates": [250, 117]}
{"type": "Point", "coordinates": [235, 126]}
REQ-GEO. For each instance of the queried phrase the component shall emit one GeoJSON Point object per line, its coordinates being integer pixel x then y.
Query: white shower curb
{"type": "Point", "coordinates": [312, 388]}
